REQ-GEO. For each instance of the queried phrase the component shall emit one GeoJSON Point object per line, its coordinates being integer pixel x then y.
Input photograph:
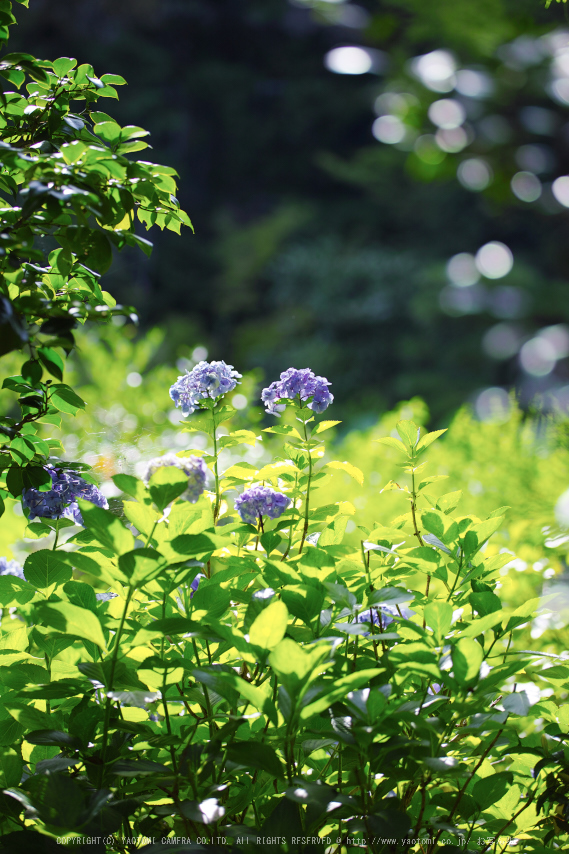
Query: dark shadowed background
{"type": "Point", "coordinates": [330, 189]}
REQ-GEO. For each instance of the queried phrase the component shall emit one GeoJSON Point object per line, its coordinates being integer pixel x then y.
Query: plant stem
{"type": "Point", "coordinates": [307, 501]}
{"type": "Point", "coordinates": [56, 535]}
{"type": "Point", "coordinates": [108, 704]}
{"type": "Point", "coordinates": [215, 469]}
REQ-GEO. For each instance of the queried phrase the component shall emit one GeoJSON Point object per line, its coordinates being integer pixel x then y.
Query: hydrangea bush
{"type": "Point", "coordinates": [259, 674]}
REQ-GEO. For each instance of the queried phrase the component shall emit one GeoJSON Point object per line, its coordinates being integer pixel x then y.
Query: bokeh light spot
{"type": "Point", "coordinates": [239, 401]}
{"type": "Point", "coordinates": [447, 113]}
{"type": "Point", "coordinates": [452, 139]}
{"type": "Point", "coordinates": [493, 405]}
{"type": "Point", "coordinates": [349, 60]}
{"type": "Point", "coordinates": [494, 260]}
{"type": "Point", "coordinates": [435, 70]}
{"type": "Point", "coordinates": [501, 341]}
{"type": "Point", "coordinates": [462, 271]}
{"type": "Point", "coordinates": [474, 174]}
{"type": "Point", "coordinates": [537, 357]}
{"type": "Point", "coordinates": [526, 186]}
{"type": "Point", "coordinates": [560, 189]}
{"type": "Point", "coordinates": [473, 84]}
{"type": "Point", "coordinates": [134, 379]}
{"type": "Point", "coordinates": [388, 129]}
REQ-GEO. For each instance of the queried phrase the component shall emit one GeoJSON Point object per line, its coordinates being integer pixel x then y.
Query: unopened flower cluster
{"type": "Point", "coordinates": [205, 380]}
{"type": "Point", "coordinates": [259, 501]}
{"type": "Point", "coordinates": [297, 383]}
{"type": "Point", "coordinates": [60, 502]}
{"type": "Point", "coordinates": [193, 467]}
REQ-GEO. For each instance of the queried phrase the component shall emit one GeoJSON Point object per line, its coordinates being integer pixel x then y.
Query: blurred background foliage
{"type": "Point", "coordinates": [344, 163]}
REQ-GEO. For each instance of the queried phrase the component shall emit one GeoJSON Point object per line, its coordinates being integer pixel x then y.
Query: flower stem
{"type": "Point", "coordinates": [108, 705]}
{"type": "Point", "coordinates": [215, 470]}
{"type": "Point", "coordinates": [307, 501]}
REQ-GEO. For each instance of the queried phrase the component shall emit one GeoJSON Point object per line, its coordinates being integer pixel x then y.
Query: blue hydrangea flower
{"type": "Point", "coordinates": [205, 380]}
{"type": "Point", "coordinates": [60, 502]}
{"type": "Point", "coordinates": [302, 383]}
{"type": "Point", "coordinates": [193, 466]}
{"type": "Point", "coordinates": [11, 567]}
{"type": "Point", "coordinates": [260, 501]}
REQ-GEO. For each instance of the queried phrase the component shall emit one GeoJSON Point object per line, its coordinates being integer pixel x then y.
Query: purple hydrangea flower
{"type": "Point", "coordinates": [205, 380]}
{"type": "Point", "coordinates": [388, 612]}
{"type": "Point", "coordinates": [260, 501]}
{"type": "Point", "coordinates": [196, 583]}
{"type": "Point", "coordinates": [60, 502]}
{"type": "Point", "coordinates": [11, 567]}
{"type": "Point", "coordinates": [193, 466]}
{"type": "Point", "coordinates": [302, 383]}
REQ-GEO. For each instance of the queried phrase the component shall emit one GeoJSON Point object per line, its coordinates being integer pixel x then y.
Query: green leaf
{"type": "Point", "coordinates": [15, 591]}
{"type": "Point", "coordinates": [438, 616]}
{"type": "Point", "coordinates": [72, 620]}
{"type": "Point", "coordinates": [485, 603]}
{"type": "Point", "coordinates": [303, 601]}
{"type": "Point", "coordinates": [142, 565]}
{"type": "Point", "coordinates": [478, 627]}
{"type": "Point", "coordinates": [255, 754]}
{"type": "Point", "coordinates": [11, 767]}
{"type": "Point", "coordinates": [167, 484]}
{"type": "Point", "coordinates": [337, 690]}
{"type": "Point", "coordinates": [107, 528]}
{"type": "Point", "coordinates": [293, 664]}
{"type": "Point", "coordinates": [409, 433]}
{"type": "Point", "coordinates": [349, 469]}
{"type": "Point", "coordinates": [489, 790]}
{"type": "Point", "coordinates": [416, 657]}
{"type": "Point", "coordinates": [64, 65]}
{"type": "Point", "coordinates": [429, 438]}
{"type": "Point", "coordinates": [52, 361]}
{"type": "Point", "coordinates": [113, 80]}
{"type": "Point", "coordinates": [325, 425]}
{"type": "Point", "coordinates": [44, 569]}
{"type": "Point", "coordinates": [333, 534]}
{"type": "Point", "coordinates": [269, 627]}
{"type": "Point", "coordinates": [65, 399]}
{"type": "Point", "coordinates": [467, 657]}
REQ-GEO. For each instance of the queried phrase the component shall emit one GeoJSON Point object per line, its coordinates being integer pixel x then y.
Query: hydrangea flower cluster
{"type": "Point", "coordinates": [194, 467]}
{"type": "Point", "coordinates": [11, 567]}
{"type": "Point", "coordinates": [260, 501]}
{"type": "Point", "coordinates": [303, 383]}
{"type": "Point", "coordinates": [60, 502]}
{"type": "Point", "coordinates": [205, 380]}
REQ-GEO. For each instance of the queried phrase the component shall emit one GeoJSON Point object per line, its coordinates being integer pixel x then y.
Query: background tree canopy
{"type": "Point", "coordinates": [321, 240]}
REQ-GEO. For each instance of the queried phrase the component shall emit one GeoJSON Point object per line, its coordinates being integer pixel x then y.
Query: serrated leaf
{"type": "Point", "coordinates": [391, 442]}
{"type": "Point", "coordinates": [429, 438]}
{"type": "Point", "coordinates": [349, 469]}
{"type": "Point", "coordinates": [325, 425]}
{"type": "Point", "coordinates": [44, 568]}
{"type": "Point", "coordinates": [72, 620]}
{"type": "Point", "coordinates": [167, 484]}
{"type": "Point", "coordinates": [107, 528]}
